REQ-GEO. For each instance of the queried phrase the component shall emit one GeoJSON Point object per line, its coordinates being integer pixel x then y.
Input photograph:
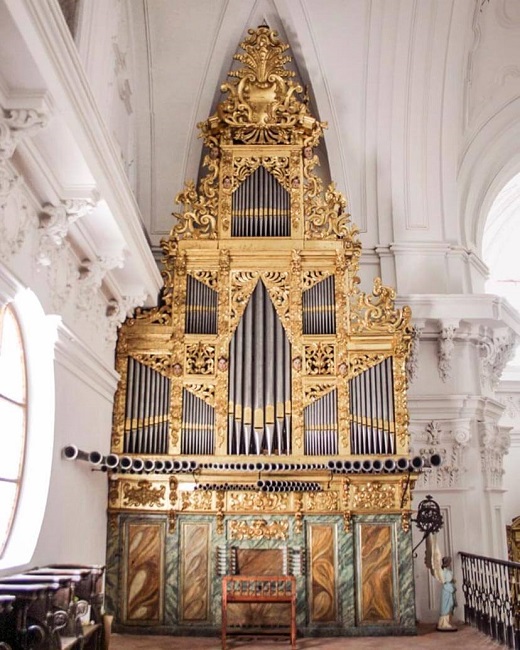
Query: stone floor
{"type": "Point", "coordinates": [427, 637]}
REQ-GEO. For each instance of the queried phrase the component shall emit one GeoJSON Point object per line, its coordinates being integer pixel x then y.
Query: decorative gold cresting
{"type": "Point", "coordinates": [263, 105]}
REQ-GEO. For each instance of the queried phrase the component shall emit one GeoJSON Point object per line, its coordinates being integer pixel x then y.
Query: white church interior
{"type": "Point", "coordinates": [99, 106]}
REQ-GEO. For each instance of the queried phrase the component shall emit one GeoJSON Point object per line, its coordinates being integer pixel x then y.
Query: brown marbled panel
{"type": "Point", "coordinates": [144, 587]}
{"type": "Point", "coordinates": [195, 572]}
{"type": "Point", "coordinates": [260, 562]}
{"type": "Point", "coordinates": [377, 586]}
{"type": "Point", "coordinates": [323, 573]}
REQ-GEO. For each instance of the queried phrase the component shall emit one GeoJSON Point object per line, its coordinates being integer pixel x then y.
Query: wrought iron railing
{"type": "Point", "coordinates": [492, 597]}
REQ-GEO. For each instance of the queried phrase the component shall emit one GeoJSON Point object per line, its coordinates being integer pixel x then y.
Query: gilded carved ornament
{"type": "Point", "coordinates": [373, 495]}
{"type": "Point", "coordinates": [376, 312]}
{"type": "Point", "coordinates": [322, 502]}
{"type": "Point", "coordinates": [258, 501]}
{"type": "Point", "coordinates": [262, 107]}
{"type": "Point", "coordinates": [258, 529]}
{"type": "Point", "coordinates": [144, 494]}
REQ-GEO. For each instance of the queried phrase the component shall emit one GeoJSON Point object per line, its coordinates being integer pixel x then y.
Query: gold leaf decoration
{"type": "Point", "coordinates": [374, 495]}
{"type": "Point", "coordinates": [262, 107]}
{"type": "Point", "coordinates": [258, 529]}
{"type": "Point", "coordinates": [143, 494]}
{"type": "Point", "coordinates": [197, 500]}
{"type": "Point", "coordinates": [319, 359]}
{"type": "Point", "coordinates": [249, 501]}
{"type": "Point", "coordinates": [322, 501]}
{"type": "Point", "coordinates": [200, 359]}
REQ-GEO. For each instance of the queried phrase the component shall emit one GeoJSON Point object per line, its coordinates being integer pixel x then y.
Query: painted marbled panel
{"type": "Point", "coordinates": [377, 585]}
{"type": "Point", "coordinates": [260, 562]}
{"type": "Point", "coordinates": [195, 572]}
{"type": "Point", "coordinates": [144, 572]}
{"type": "Point", "coordinates": [323, 606]}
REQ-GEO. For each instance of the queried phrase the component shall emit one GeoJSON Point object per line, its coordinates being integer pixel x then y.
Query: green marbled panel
{"type": "Point", "coordinates": [144, 572]}
{"type": "Point", "coordinates": [112, 586]}
{"type": "Point", "coordinates": [194, 573]}
{"type": "Point", "coordinates": [406, 582]}
{"type": "Point", "coordinates": [346, 591]}
{"type": "Point", "coordinates": [171, 578]}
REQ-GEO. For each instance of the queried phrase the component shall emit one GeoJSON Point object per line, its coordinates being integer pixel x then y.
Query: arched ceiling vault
{"type": "Point", "coordinates": [406, 88]}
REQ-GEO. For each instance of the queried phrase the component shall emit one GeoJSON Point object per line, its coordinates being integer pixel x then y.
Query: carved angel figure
{"type": "Point", "coordinates": [440, 568]}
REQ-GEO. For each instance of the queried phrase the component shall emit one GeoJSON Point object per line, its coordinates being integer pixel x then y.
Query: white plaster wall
{"type": "Point", "coordinates": [74, 528]}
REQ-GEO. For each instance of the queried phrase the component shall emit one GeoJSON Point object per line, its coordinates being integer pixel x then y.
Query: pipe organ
{"type": "Point", "coordinates": [261, 418]}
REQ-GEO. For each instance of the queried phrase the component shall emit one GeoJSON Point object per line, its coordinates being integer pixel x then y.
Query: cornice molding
{"type": "Point", "coordinates": [50, 43]}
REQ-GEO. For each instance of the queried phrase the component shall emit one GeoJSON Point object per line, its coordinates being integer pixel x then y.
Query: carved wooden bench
{"type": "Point", "coordinates": [258, 589]}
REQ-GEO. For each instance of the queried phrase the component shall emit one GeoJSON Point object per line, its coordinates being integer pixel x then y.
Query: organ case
{"type": "Point", "coordinates": [266, 393]}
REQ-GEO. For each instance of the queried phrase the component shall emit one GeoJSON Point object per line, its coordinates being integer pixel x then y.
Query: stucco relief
{"type": "Point", "coordinates": [494, 445]}
{"type": "Point", "coordinates": [412, 363]}
{"type": "Point", "coordinates": [446, 350]}
{"type": "Point", "coordinates": [449, 439]}
{"type": "Point", "coordinates": [496, 350]}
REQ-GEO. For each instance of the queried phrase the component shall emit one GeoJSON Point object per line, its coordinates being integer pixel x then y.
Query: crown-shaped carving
{"type": "Point", "coordinates": [264, 106]}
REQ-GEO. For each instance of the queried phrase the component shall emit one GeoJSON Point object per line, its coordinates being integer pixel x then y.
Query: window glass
{"type": "Point", "coordinates": [12, 417]}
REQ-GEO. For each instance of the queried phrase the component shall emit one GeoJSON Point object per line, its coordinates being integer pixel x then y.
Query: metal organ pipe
{"type": "Point", "coordinates": [259, 417]}
{"type": "Point", "coordinates": [260, 207]}
{"type": "Point", "coordinates": [372, 425]}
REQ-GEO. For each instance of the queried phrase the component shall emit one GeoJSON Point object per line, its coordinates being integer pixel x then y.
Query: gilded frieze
{"type": "Point", "coordinates": [374, 495]}
{"type": "Point", "coordinates": [143, 494]}
{"type": "Point", "coordinates": [257, 502]}
{"type": "Point", "coordinates": [321, 502]}
{"type": "Point", "coordinates": [258, 529]}
{"type": "Point", "coordinates": [195, 501]}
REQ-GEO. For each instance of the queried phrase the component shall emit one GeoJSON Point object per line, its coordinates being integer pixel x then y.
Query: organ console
{"type": "Point", "coordinates": [261, 410]}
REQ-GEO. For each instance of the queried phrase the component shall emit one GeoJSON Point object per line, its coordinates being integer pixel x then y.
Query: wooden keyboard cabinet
{"type": "Point", "coordinates": [258, 589]}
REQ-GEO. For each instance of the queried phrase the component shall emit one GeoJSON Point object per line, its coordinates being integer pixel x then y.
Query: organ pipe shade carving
{"type": "Point", "coordinates": [201, 308]}
{"type": "Point", "coordinates": [319, 315]}
{"type": "Point", "coordinates": [198, 425]}
{"type": "Point", "coordinates": [259, 413]}
{"type": "Point", "coordinates": [372, 419]}
{"type": "Point", "coordinates": [321, 425]}
{"type": "Point", "coordinates": [146, 427]}
{"type": "Point", "coordinates": [261, 207]}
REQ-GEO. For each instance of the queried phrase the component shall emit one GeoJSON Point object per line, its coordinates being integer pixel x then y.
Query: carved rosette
{"type": "Point", "coordinates": [258, 529]}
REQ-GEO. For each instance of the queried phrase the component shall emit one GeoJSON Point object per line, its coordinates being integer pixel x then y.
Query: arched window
{"type": "Point", "coordinates": [13, 417]}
